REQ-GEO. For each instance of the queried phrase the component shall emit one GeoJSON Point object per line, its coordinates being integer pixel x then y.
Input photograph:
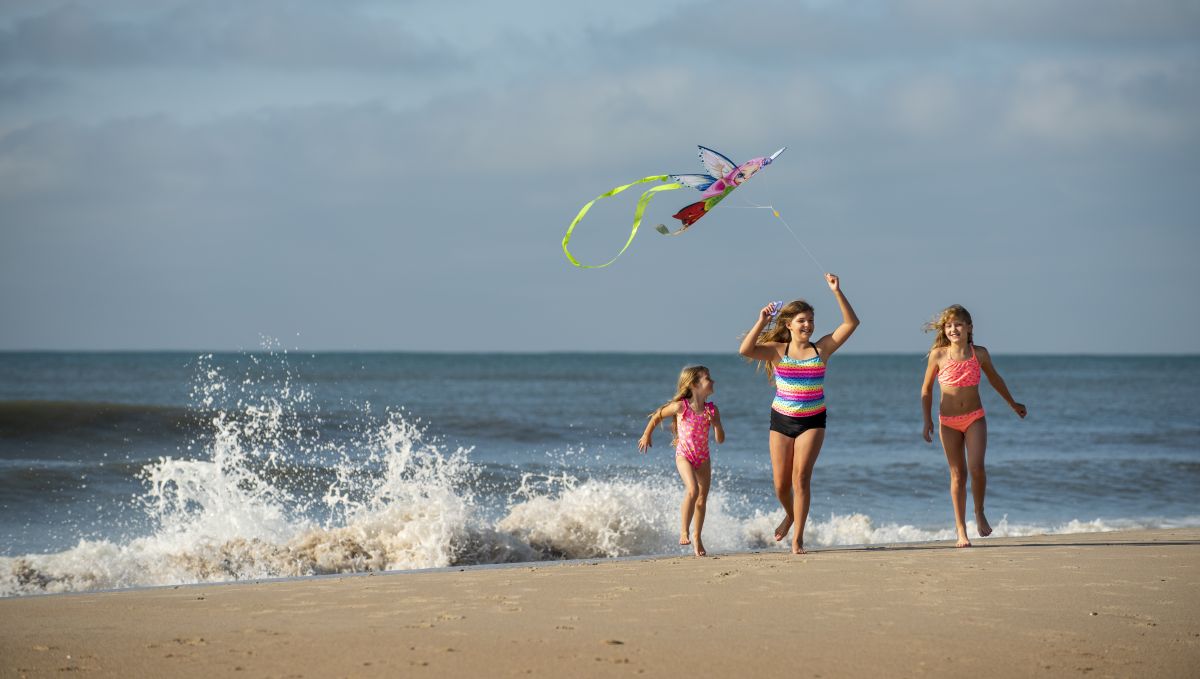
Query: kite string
{"type": "Point", "coordinates": [774, 211]}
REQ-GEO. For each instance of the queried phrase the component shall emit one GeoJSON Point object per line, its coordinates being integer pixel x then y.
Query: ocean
{"type": "Point", "coordinates": [126, 470]}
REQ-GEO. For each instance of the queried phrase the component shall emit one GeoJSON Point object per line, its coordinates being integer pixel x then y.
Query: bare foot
{"type": "Point", "coordinates": [699, 547]}
{"type": "Point", "coordinates": [962, 541]}
{"type": "Point", "coordinates": [981, 522]}
{"type": "Point", "coordinates": [798, 548]}
{"type": "Point", "coordinates": [782, 529]}
{"type": "Point", "coordinates": [685, 540]}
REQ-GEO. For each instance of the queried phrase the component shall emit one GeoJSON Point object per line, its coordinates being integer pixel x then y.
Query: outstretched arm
{"type": "Point", "coordinates": [834, 340]}
{"type": "Point", "coordinates": [931, 371]}
{"type": "Point", "coordinates": [659, 415]}
{"type": "Point", "coordinates": [750, 348]}
{"type": "Point", "coordinates": [997, 382]}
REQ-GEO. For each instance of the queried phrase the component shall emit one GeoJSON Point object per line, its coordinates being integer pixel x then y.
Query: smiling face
{"type": "Point", "coordinates": [801, 326]}
{"type": "Point", "coordinates": [957, 330]}
{"type": "Point", "coordinates": [704, 386]}
{"type": "Point", "coordinates": [953, 325]}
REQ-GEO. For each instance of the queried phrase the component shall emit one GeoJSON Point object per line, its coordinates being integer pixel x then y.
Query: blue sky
{"type": "Point", "coordinates": [392, 176]}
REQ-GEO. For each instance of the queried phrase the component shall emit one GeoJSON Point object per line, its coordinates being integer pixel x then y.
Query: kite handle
{"type": "Point", "coordinates": [637, 215]}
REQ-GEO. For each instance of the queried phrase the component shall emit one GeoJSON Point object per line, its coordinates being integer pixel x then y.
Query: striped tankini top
{"type": "Point", "coordinates": [799, 386]}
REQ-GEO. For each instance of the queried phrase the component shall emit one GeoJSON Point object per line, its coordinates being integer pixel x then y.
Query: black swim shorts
{"type": "Point", "coordinates": [792, 427]}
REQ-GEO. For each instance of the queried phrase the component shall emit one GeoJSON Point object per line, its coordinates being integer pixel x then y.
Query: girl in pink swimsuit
{"type": "Point", "coordinates": [691, 418]}
{"type": "Point", "coordinates": [956, 363]}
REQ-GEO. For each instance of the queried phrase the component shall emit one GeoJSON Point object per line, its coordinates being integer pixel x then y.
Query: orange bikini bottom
{"type": "Point", "coordinates": [961, 422]}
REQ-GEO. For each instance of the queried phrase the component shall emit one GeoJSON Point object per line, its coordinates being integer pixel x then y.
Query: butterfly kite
{"type": "Point", "coordinates": [723, 177]}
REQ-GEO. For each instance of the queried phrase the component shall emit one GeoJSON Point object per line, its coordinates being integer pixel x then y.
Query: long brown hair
{"type": "Point", "coordinates": [938, 324]}
{"type": "Point", "coordinates": [777, 331]}
{"type": "Point", "coordinates": [687, 377]}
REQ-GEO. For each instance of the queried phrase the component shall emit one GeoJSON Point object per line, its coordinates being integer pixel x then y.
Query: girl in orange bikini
{"type": "Point", "coordinates": [692, 415]}
{"type": "Point", "coordinates": [956, 363]}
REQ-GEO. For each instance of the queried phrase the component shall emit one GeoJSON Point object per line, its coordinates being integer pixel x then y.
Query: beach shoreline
{"type": "Point", "coordinates": [1104, 604]}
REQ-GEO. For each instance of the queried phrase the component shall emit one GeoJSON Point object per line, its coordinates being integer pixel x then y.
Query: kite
{"type": "Point", "coordinates": [723, 177]}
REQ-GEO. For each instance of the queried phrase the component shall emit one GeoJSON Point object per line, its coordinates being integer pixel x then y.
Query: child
{"type": "Point", "coordinates": [692, 415]}
{"type": "Point", "coordinates": [797, 367]}
{"type": "Point", "coordinates": [956, 362]}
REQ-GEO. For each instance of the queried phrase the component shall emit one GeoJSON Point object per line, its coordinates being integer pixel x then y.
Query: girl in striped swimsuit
{"type": "Point", "coordinates": [796, 365]}
{"type": "Point", "coordinates": [956, 363]}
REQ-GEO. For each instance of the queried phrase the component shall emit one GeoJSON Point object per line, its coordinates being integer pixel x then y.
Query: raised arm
{"type": "Point", "coordinates": [997, 382]}
{"type": "Point", "coordinates": [834, 340]}
{"type": "Point", "coordinates": [659, 415]}
{"type": "Point", "coordinates": [931, 371]}
{"type": "Point", "coordinates": [750, 347]}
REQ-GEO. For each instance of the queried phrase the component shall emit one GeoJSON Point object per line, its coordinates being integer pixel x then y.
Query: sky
{"type": "Point", "coordinates": [365, 176]}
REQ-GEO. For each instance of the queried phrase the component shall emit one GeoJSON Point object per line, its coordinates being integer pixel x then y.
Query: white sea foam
{"type": "Point", "coordinates": [588, 519]}
{"type": "Point", "coordinates": [225, 515]}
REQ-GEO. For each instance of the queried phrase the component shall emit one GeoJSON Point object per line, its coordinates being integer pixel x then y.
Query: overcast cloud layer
{"type": "Point", "coordinates": [384, 176]}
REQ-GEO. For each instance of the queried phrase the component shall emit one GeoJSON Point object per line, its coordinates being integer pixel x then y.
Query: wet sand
{"type": "Point", "coordinates": [1097, 604]}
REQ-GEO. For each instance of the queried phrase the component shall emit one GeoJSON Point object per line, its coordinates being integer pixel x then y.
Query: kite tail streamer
{"type": "Point", "coordinates": [637, 215]}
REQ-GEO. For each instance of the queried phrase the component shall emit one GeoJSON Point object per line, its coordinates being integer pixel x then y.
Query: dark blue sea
{"type": "Point", "coordinates": [135, 469]}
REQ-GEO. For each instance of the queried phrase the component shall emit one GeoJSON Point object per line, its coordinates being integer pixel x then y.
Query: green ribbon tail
{"type": "Point", "coordinates": [637, 215]}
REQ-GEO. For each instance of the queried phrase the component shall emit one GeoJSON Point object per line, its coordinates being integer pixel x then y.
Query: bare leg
{"type": "Point", "coordinates": [953, 442]}
{"type": "Point", "coordinates": [690, 493]}
{"type": "Point", "coordinates": [781, 473]}
{"type": "Point", "coordinates": [703, 481]}
{"type": "Point", "coordinates": [976, 440]}
{"type": "Point", "coordinates": [808, 447]}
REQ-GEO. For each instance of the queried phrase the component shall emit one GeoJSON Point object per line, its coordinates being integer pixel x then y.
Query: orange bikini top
{"type": "Point", "coordinates": [960, 373]}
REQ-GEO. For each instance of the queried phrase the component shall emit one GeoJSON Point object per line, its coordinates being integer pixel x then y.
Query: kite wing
{"type": "Point", "coordinates": [699, 182]}
{"type": "Point", "coordinates": [717, 165]}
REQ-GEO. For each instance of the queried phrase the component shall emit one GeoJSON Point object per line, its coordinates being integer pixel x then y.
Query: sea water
{"type": "Point", "coordinates": [136, 469]}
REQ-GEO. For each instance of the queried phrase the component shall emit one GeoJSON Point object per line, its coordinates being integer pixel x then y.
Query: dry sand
{"type": "Point", "coordinates": [1097, 605]}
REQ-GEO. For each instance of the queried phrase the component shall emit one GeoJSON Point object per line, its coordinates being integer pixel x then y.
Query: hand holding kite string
{"type": "Point", "coordinates": [722, 178]}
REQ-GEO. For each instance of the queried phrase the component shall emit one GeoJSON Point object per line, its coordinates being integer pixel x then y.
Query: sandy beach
{"type": "Point", "coordinates": [1101, 604]}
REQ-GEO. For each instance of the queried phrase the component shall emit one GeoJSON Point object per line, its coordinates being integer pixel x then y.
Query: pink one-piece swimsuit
{"type": "Point", "coordinates": [692, 433]}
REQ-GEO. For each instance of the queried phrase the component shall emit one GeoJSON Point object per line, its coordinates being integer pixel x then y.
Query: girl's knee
{"type": "Point", "coordinates": [802, 481]}
{"type": "Point", "coordinates": [977, 470]}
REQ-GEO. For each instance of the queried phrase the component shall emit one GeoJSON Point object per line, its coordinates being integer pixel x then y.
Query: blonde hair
{"type": "Point", "coordinates": [938, 324]}
{"type": "Point", "coordinates": [683, 390]}
{"type": "Point", "coordinates": [777, 331]}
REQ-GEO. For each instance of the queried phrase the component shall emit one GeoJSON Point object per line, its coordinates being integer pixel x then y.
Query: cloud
{"type": "Point", "coordinates": [23, 88]}
{"type": "Point", "coordinates": [1060, 23]}
{"type": "Point", "coordinates": [831, 37]}
{"type": "Point", "coordinates": [1105, 101]}
{"type": "Point", "coordinates": [284, 36]}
